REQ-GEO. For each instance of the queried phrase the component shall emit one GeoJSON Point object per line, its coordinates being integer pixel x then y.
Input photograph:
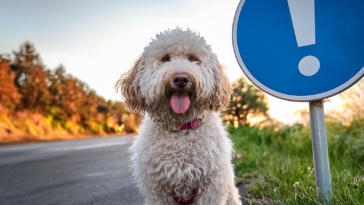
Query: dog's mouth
{"type": "Point", "coordinates": [180, 101]}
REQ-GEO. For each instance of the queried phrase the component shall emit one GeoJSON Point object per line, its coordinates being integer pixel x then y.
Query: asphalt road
{"type": "Point", "coordinates": [82, 172]}
{"type": "Point", "coordinates": [91, 171]}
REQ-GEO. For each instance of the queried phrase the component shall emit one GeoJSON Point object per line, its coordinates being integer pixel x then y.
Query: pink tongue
{"type": "Point", "coordinates": [180, 103]}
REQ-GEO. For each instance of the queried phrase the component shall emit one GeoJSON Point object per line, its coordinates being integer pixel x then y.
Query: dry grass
{"type": "Point", "coordinates": [30, 127]}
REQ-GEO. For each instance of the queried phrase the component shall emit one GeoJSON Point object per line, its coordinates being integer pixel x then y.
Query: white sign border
{"type": "Point", "coordinates": [283, 96]}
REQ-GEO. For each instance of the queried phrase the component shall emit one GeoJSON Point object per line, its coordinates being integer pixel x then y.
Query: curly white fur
{"type": "Point", "coordinates": [167, 161]}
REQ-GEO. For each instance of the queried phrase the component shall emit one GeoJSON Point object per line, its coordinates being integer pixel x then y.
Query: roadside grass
{"type": "Point", "coordinates": [277, 164]}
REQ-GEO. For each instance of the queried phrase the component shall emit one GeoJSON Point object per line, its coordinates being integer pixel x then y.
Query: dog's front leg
{"type": "Point", "coordinates": [212, 195]}
{"type": "Point", "coordinates": [233, 192]}
{"type": "Point", "coordinates": [220, 192]}
{"type": "Point", "coordinates": [233, 197]}
{"type": "Point", "coordinates": [159, 201]}
{"type": "Point", "coordinates": [209, 198]}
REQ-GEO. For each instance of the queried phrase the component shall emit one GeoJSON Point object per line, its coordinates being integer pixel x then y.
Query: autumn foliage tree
{"type": "Point", "coordinates": [31, 78]}
{"type": "Point", "coordinates": [9, 95]}
{"type": "Point", "coordinates": [27, 86]}
{"type": "Point", "coordinates": [247, 102]}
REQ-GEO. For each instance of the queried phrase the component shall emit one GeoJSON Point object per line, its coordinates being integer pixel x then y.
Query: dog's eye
{"type": "Point", "coordinates": [192, 58]}
{"type": "Point", "coordinates": [166, 58]}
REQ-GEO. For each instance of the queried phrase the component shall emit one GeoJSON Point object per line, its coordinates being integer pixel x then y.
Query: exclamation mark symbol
{"type": "Point", "coordinates": [303, 19]}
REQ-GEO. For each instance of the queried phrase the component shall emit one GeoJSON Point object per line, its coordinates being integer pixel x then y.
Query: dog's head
{"type": "Point", "coordinates": [176, 75]}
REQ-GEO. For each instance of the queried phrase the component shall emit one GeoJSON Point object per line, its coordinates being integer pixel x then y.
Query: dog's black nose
{"type": "Point", "coordinates": [181, 80]}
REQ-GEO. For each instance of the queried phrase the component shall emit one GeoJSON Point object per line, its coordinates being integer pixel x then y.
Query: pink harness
{"type": "Point", "coordinates": [194, 124]}
{"type": "Point", "coordinates": [188, 201]}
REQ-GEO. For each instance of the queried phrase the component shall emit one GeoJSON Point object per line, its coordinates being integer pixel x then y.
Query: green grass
{"type": "Point", "coordinates": [278, 164]}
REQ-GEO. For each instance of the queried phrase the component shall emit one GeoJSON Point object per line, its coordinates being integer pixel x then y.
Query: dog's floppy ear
{"type": "Point", "coordinates": [223, 89]}
{"type": "Point", "coordinates": [129, 86]}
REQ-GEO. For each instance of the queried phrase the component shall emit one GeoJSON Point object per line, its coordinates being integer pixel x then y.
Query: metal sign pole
{"type": "Point", "coordinates": [320, 153]}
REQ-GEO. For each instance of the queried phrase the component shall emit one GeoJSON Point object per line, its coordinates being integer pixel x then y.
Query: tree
{"type": "Point", "coordinates": [246, 103]}
{"type": "Point", "coordinates": [72, 98]}
{"type": "Point", "coordinates": [57, 81]}
{"type": "Point", "coordinates": [9, 95]}
{"type": "Point", "coordinates": [65, 101]}
{"type": "Point", "coordinates": [31, 78]}
{"type": "Point", "coordinates": [354, 101]}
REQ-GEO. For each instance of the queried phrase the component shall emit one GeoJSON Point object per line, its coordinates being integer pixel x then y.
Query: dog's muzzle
{"type": "Point", "coordinates": [181, 80]}
{"type": "Point", "coordinates": [181, 87]}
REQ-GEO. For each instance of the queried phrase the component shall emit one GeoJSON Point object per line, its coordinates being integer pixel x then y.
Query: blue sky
{"type": "Point", "coordinates": [96, 41]}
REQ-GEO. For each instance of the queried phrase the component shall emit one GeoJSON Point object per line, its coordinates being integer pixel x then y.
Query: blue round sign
{"type": "Point", "coordinates": [300, 50]}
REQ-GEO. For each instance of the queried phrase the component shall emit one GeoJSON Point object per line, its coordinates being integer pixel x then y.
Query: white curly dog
{"type": "Point", "coordinates": [183, 153]}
